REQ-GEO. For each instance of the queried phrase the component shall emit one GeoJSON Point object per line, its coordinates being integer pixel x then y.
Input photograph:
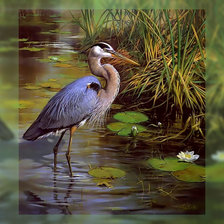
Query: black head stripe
{"type": "Point", "coordinates": [103, 45]}
{"type": "Point", "coordinates": [100, 44]}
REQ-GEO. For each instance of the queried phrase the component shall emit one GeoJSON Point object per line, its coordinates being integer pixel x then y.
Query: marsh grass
{"type": "Point", "coordinates": [170, 46]}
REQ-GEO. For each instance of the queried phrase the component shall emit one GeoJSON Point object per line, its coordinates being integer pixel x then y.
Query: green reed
{"type": "Point", "coordinates": [169, 45]}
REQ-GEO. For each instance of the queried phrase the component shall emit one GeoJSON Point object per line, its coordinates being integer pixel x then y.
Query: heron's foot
{"type": "Point", "coordinates": [69, 164]}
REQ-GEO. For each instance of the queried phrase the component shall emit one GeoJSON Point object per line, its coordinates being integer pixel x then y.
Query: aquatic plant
{"type": "Point", "coordinates": [187, 156]}
{"type": "Point", "coordinates": [170, 46]}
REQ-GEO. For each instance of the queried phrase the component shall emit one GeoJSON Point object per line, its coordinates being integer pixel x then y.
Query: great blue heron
{"type": "Point", "coordinates": [81, 101]}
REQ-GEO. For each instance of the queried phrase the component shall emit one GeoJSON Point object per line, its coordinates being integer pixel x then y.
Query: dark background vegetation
{"type": "Point", "coordinates": [214, 109]}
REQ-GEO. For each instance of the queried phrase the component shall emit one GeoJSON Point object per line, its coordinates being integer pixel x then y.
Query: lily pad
{"type": "Point", "coordinates": [131, 117]}
{"type": "Point", "coordinates": [193, 173]}
{"type": "Point", "coordinates": [16, 39]}
{"type": "Point", "coordinates": [107, 172]}
{"type": "Point", "coordinates": [46, 32]}
{"type": "Point", "coordinates": [125, 129]}
{"type": "Point", "coordinates": [33, 48]}
{"type": "Point", "coordinates": [32, 87]}
{"type": "Point", "coordinates": [61, 58]}
{"type": "Point", "coordinates": [44, 59]}
{"type": "Point", "coordinates": [168, 164]}
{"type": "Point", "coordinates": [33, 42]}
{"type": "Point", "coordinates": [52, 85]}
{"type": "Point", "coordinates": [62, 65]}
{"type": "Point", "coordinates": [60, 31]}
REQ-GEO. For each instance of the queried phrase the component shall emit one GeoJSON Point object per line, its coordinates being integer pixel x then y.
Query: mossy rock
{"type": "Point", "coordinates": [107, 172]}
{"type": "Point", "coordinates": [131, 117]}
{"type": "Point", "coordinates": [168, 164]}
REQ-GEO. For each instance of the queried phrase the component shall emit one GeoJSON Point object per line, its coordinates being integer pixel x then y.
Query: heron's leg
{"type": "Point", "coordinates": [56, 150]}
{"type": "Point", "coordinates": [72, 130]}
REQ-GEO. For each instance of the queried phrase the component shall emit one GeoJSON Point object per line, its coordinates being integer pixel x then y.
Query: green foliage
{"type": "Point", "coordinates": [169, 45]}
{"type": "Point", "coordinates": [168, 164]}
{"type": "Point", "coordinates": [92, 24]}
{"type": "Point", "coordinates": [131, 117]}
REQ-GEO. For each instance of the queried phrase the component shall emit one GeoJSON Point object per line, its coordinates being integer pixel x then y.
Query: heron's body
{"type": "Point", "coordinates": [83, 100]}
{"type": "Point", "coordinates": [71, 106]}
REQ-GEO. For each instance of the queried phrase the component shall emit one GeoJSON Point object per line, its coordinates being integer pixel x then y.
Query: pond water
{"type": "Point", "coordinates": [46, 64]}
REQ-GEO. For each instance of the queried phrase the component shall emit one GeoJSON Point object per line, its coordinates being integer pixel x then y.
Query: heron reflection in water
{"type": "Point", "coordinates": [81, 101]}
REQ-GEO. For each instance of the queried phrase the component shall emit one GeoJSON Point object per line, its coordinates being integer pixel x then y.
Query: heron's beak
{"type": "Point", "coordinates": [117, 55]}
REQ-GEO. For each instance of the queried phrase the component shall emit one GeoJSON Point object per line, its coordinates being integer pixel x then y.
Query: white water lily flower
{"type": "Point", "coordinates": [187, 156]}
{"type": "Point", "coordinates": [218, 156]}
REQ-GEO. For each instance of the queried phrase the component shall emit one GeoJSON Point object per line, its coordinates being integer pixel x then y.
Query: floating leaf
{"type": "Point", "coordinates": [61, 58]}
{"type": "Point", "coordinates": [124, 129]}
{"type": "Point", "coordinates": [131, 117]}
{"type": "Point", "coordinates": [62, 65]}
{"type": "Point", "coordinates": [23, 39]}
{"type": "Point", "coordinates": [60, 32]}
{"type": "Point", "coordinates": [16, 39]}
{"type": "Point", "coordinates": [193, 173]}
{"type": "Point", "coordinates": [116, 126]}
{"type": "Point", "coordinates": [52, 80]}
{"type": "Point", "coordinates": [46, 32]}
{"type": "Point", "coordinates": [51, 85]}
{"type": "Point", "coordinates": [44, 59]}
{"type": "Point", "coordinates": [33, 42]}
{"type": "Point", "coordinates": [167, 164]}
{"type": "Point", "coordinates": [107, 172]}
{"type": "Point", "coordinates": [32, 49]}
{"type": "Point", "coordinates": [31, 87]}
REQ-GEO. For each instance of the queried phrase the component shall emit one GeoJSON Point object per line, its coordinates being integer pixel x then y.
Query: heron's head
{"type": "Point", "coordinates": [104, 50]}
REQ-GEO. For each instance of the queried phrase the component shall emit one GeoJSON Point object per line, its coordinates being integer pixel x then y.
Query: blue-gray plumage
{"type": "Point", "coordinates": [83, 100]}
{"type": "Point", "coordinates": [69, 107]}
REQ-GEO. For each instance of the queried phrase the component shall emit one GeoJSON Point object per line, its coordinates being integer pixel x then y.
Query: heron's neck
{"type": "Point", "coordinates": [110, 74]}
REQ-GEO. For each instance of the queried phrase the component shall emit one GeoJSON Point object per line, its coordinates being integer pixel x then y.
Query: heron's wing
{"type": "Point", "coordinates": [68, 107]}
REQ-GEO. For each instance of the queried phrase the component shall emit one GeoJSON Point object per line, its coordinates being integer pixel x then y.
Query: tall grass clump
{"type": "Point", "coordinates": [170, 46]}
